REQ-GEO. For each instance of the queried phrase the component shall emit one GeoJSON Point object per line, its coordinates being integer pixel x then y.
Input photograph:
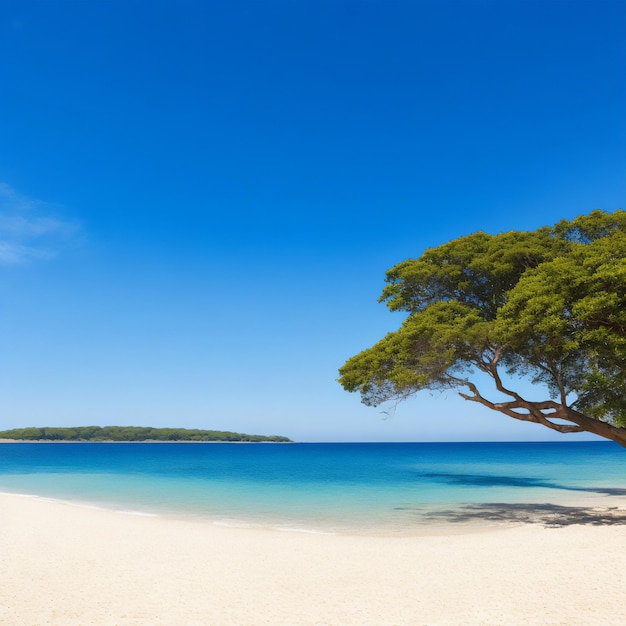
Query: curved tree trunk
{"type": "Point", "coordinates": [545, 412]}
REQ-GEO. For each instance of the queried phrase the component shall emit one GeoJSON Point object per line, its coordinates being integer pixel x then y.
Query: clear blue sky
{"type": "Point", "coordinates": [199, 200]}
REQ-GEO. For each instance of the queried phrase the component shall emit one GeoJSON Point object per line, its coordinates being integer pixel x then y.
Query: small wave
{"type": "Point", "coordinates": [231, 524]}
{"type": "Point", "coordinates": [138, 513]}
{"type": "Point", "coordinates": [34, 496]}
{"type": "Point", "coordinates": [75, 503]}
{"type": "Point", "coordinates": [17, 495]}
{"type": "Point", "coordinates": [310, 531]}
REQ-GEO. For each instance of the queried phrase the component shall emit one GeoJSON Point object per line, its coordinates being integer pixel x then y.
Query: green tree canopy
{"type": "Point", "coordinates": [547, 305]}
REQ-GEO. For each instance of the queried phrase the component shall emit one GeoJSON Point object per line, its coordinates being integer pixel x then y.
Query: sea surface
{"type": "Point", "coordinates": [320, 487]}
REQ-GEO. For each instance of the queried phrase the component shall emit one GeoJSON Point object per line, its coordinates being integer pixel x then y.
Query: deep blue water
{"type": "Point", "coordinates": [375, 486]}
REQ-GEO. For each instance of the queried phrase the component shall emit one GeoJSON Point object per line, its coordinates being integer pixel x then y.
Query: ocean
{"type": "Point", "coordinates": [324, 487]}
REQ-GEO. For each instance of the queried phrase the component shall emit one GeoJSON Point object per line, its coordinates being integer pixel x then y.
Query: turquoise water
{"type": "Point", "coordinates": [395, 487]}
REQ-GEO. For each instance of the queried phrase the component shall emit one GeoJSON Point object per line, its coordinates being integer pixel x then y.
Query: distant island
{"type": "Point", "coordinates": [133, 433]}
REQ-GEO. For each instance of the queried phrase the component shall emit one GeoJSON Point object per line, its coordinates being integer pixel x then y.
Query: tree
{"type": "Point", "coordinates": [547, 305]}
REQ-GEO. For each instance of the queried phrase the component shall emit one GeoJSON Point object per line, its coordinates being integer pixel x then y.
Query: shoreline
{"type": "Point", "coordinates": [425, 529]}
{"type": "Point", "coordinates": [413, 520]}
{"type": "Point", "coordinates": [66, 565]}
{"type": "Point", "coordinates": [427, 520]}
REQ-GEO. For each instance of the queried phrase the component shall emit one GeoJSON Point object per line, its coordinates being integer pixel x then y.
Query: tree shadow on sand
{"type": "Point", "coordinates": [550, 515]}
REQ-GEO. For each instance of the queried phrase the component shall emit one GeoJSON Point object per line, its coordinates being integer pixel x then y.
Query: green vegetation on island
{"type": "Point", "coordinates": [547, 305]}
{"type": "Point", "coordinates": [133, 433]}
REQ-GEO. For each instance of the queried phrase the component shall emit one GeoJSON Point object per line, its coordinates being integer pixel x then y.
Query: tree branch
{"type": "Point", "coordinates": [579, 422]}
{"type": "Point", "coordinates": [509, 408]}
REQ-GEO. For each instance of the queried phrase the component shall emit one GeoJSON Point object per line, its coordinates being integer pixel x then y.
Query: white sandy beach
{"type": "Point", "coordinates": [65, 564]}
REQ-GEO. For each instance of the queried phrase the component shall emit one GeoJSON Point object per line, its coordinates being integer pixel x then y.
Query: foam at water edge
{"type": "Point", "coordinates": [231, 523]}
{"type": "Point", "coordinates": [310, 531]}
{"type": "Point", "coordinates": [137, 513]}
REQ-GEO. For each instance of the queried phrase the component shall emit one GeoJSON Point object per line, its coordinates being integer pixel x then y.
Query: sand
{"type": "Point", "coordinates": [66, 564]}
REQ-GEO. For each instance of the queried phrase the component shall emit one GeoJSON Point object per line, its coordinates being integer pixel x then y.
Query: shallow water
{"type": "Point", "coordinates": [381, 487]}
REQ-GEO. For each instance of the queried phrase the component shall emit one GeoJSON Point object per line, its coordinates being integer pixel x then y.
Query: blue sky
{"type": "Point", "coordinates": [199, 200]}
